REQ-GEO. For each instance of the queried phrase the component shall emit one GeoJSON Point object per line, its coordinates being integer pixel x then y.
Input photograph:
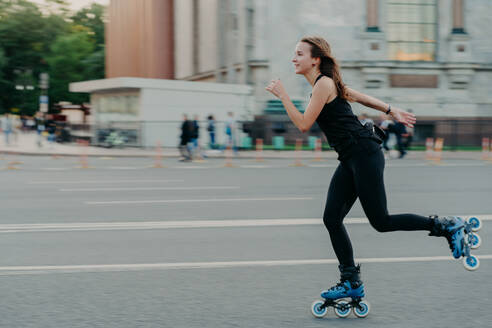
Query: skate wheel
{"type": "Point", "coordinates": [476, 241]}
{"type": "Point", "coordinates": [362, 310]}
{"type": "Point", "coordinates": [471, 263]}
{"type": "Point", "coordinates": [476, 223]}
{"type": "Point", "coordinates": [317, 310]}
{"type": "Point", "coordinates": [342, 309]}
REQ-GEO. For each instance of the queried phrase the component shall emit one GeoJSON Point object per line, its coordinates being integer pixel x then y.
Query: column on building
{"type": "Point", "coordinates": [372, 16]}
{"type": "Point", "coordinates": [373, 46]}
{"type": "Point", "coordinates": [458, 23]}
{"type": "Point", "coordinates": [459, 49]}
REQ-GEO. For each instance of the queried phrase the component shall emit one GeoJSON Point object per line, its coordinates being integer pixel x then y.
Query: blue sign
{"type": "Point", "coordinates": [43, 99]}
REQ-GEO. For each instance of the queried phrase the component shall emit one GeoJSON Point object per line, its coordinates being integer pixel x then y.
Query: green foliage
{"type": "Point", "coordinates": [36, 39]}
{"type": "Point", "coordinates": [66, 63]}
{"type": "Point", "coordinates": [92, 18]}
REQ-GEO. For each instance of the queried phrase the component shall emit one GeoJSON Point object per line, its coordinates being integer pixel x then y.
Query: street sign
{"type": "Point", "coordinates": [44, 81]}
{"type": "Point", "coordinates": [43, 103]}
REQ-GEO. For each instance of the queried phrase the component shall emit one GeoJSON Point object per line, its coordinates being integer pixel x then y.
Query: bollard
{"type": "Point", "coordinates": [259, 150]}
{"type": "Point", "coordinates": [429, 146]}
{"type": "Point", "coordinates": [84, 163]}
{"type": "Point", "coordinates": [158, 156]}
{"type": "Point", "coordinates": [298, 153]}
{"type": "Point", "coordinates": [228, 157]}
{"type": "Point", "coordinates": [11, 165]}
{"type": "Point", "coordinates": [317, 151]}
{"type": "Point", "coordinates": [485, 148]}
{"type": "Point", "coordinates": [438, 150]}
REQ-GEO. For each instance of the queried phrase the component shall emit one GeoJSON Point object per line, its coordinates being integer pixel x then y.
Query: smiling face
{"type": "Point", "coordinates": [303, 62]}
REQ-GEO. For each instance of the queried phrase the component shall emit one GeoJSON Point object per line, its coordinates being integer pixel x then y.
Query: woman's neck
{"type": "Point", "coordinates": [312, 75]}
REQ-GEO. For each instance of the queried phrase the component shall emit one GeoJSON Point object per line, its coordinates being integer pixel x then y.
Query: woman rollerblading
{"type": "Point", "coordinates": [359, 173]}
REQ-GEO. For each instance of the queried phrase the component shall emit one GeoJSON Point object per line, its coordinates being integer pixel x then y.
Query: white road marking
{"type": "Point", "coordinates": [46, 269]}
{"type": "Point", "coordinates": [102, 181]}
{"type": "Point", "coordinates": [193, 167]}
{"type": "Point", "coordinates": [429, 164]}
{"type": "Point", "coordinates": [210, 200]}
{"type": "Point", "coordinates": [255, 166]}
{"type": "Point", "coordinates": [186, 224]}
{"type": "Point", "coordinates": [152, 188]}
{"type": "Point", "coordinates": [322, 165]}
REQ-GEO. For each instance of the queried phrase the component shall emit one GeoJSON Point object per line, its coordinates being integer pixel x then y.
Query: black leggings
{"type": "Point", "coordinates": [361, 175]}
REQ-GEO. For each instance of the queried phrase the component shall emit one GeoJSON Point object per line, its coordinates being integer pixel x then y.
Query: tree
{"type": "Point", "coordinates": [67, 62]}
{"type": "Point", "coordinates": [93, 18]}
{"type": "Point", "coordinates": [3, 63]}
{"type": "Point", "coordinates": [43, 38]}
{"type": "Point", "coordinates": [25, 35]}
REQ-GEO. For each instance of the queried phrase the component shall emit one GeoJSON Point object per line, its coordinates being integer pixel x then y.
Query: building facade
{"type": "Point", "coordinates": [140, 39]}
{"type": "Point", "coordinates": [431, 56]}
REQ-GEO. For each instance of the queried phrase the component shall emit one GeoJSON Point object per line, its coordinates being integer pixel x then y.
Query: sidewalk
{"type": "Point", "coordinates": [26, 145]}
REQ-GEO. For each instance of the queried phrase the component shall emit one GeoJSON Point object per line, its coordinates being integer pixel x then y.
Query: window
{"type": "Point", "coordinates": [412, 29]}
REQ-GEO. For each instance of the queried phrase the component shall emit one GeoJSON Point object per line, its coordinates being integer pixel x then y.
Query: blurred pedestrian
{"type": "Point", "coordinates": [361, 169]}
{"type": "Point", "coordinates": [211, 130]}
{"type": "Point", "coordinates": [7, 126]}
{"type": "Point", "coordinates": [399, 129]}
{"type": "Point", "coordinates": [386, 125]}
{"type": "Point", "coordinates": [40, 127]}
{"type": "Point", "coordinates": [186, 133]}
{"type": "Point", "coordinates": [17, 128]}
{"type": "Point", "coordinates": [364, 119]}
{"type": "Point", "coordinates": [230, 131]}
{"type": "Point", "coordinates": [195, 134]}
{"type": "Point", "coordinates": [51, 129]}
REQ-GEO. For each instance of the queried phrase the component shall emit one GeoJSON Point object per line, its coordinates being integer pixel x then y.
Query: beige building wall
{"type": "Point", "coordinates": [219, 39]}
{"type": "Point", "coordinates": [183, 38]}
{"type": "Point", "coordinates": [140, 39]}
{"type": "Point", "coordinates": [207, 38]}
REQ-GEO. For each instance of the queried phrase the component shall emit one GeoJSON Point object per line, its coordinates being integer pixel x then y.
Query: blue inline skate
{"type": "Point", "coordinates": [461, 237]}
{"type": "Point", "coordinates": [350, 286]}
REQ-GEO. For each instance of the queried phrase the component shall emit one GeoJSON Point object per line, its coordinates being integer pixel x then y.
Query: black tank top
{"type": "Point", "coordinates": [343, 129]}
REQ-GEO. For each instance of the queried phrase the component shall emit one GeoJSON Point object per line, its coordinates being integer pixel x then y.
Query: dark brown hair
{"type": "Point", "coordinates": [328, 65]}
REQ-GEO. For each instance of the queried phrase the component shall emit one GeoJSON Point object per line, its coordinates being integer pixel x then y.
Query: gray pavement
{"type": "Point", "coordinates": [123, 244]}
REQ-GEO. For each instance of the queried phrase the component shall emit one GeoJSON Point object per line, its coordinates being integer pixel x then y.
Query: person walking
{"type": "Point", "coordinates": [360, 171]}
{"type": "Point", "coordinates": [230, 131]}
{"type": "Point", "coordinates": [7, 127]}
{"type": "Point", "coordinates": [399, 130]}
{"type": "Point", "coordinates": [211, 130]}
{"type": "Point", "coordinates": [387, 126]}
{"type": "Point", "coordinates": [195, 134]}
{"type": "Point", "coordinates": [186, 132]}
{"type": "Point", "coordinates": [40, 128]}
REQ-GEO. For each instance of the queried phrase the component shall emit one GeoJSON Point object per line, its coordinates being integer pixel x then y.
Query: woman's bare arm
{"type": "Point", "coordinates": [398, 114]}
{"type": "Point", "coordinates": [324, 89]}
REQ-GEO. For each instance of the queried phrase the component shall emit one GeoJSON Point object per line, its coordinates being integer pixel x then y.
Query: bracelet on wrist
{"type": "Point", "coordinates": [389, 110]}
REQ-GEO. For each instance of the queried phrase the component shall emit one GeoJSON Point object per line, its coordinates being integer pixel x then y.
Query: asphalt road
{"type": "Point", "coordinates": [122, 244]}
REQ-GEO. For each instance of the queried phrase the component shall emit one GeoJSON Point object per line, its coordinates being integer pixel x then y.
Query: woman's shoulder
{"type": "Point", "coordinates": [325, 82]}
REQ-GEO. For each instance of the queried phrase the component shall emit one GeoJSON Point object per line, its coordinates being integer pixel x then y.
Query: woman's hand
{"type": "Point", "coordinates": [406, 118]}
{"type": "Point", "coordinates": [276, 88]}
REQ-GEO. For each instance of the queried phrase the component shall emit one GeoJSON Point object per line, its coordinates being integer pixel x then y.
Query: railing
{"type": "Point", "coordinates": [457, 133]}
